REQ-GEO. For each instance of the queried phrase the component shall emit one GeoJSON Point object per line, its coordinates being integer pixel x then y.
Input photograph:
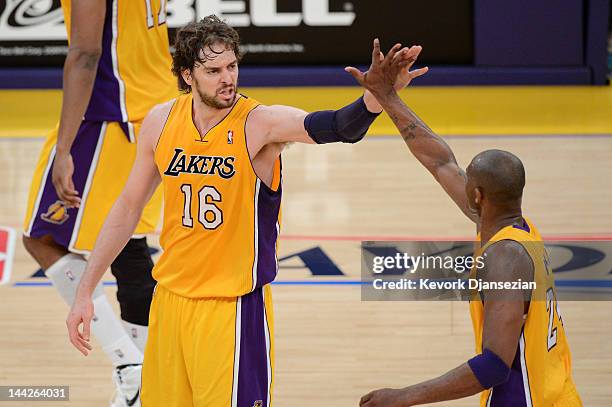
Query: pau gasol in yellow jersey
{"type": "Point", "coordinates": [219, 218]}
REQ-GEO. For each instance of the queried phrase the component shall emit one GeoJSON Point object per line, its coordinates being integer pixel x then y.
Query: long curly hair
{"type": "Point", "coordinates": [194, 37]}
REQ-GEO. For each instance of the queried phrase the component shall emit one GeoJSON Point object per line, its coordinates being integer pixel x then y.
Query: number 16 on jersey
{"type": "Point", "coordinates": [209, 215]}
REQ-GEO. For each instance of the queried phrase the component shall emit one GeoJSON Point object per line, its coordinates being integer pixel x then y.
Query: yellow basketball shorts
{"type": "Point", "coordinates": [515, 396]}
{"type": "Point", "coordinates": [213, 352]}
{"type": "Point", "coordinates": [569, 397]}
{"type": "Point", "coordinates": [103, 156]}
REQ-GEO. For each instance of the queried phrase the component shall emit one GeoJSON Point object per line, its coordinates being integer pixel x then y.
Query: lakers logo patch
{"type": "Point", "coordinates": [258, 403]}
{"type": "Point", "coordinates": [57, 213]}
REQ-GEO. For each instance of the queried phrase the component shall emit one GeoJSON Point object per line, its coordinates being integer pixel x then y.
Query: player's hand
{"type": "Point", "coordinates": [63, 169]}
{"type": "Point", "coordinates": [81, 313]}
{"type": "Point", "coordinates": [410, 54]}
{"type": "Point", "coordinates": [406, 75]}
{"type": "Point", "coordinates": [384, 398]}
{"type": "Point", "coordinates": [381, 77]}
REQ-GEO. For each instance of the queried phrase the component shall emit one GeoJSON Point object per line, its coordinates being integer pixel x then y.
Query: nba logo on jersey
{"type": "Point", "coordinates": [230, 137]}
{"type": "Point", "coordinates": [7, 248]}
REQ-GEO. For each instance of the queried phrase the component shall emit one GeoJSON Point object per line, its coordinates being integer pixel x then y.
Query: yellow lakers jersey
{"type": "Point", "coordinates": [221, 222]}
{"type": "Point", "coordinates": [134, 71]}
{"type": "Point", "coordinates": [541, 371]}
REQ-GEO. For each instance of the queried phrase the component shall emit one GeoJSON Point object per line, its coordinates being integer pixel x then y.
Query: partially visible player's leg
{"type": "Point", "coordinates": [209, 351]}
{"type": "Point", "coordinates": [254, 357]}
{"type": "Point", "coordinates": [165, 382]}
{"type": "Point", "coordinates": [133, 266]}
{"type": "Point", "coordinates": [51, 227]}
{"type": "Point", "coordinates": [135, 285]}
{"type": "Point", "coordinates": [44, 250]}
{"type": "Point", "coordinates": [239, 372]}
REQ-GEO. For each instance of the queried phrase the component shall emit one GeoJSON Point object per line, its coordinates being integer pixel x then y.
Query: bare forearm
{"type": "Point", "coordinates": [403, 117]}
{"type": "Point", "coordinates": [116, 231]}
{"type": "Point", "coordinates": [457, 383]}
{"type": "Point", "coordinates": [429, 148]}
{"type": "Point", "coordinates": [79, 75]}
{"type": "Point", "coordinates": [371, 103]}
{"type": "Point", "coordinates": [408, 123]}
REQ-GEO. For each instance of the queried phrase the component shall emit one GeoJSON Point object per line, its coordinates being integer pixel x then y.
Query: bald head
{"type": "Point", "coordinates": [499, 174]}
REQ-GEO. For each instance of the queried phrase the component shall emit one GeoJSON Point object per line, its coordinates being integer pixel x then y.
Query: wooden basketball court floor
{"type": "Point", "coordinates": [331, 347]}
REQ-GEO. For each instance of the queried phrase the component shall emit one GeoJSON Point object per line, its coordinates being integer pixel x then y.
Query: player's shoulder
{"type": "Point", "coordinates": [157, 116]}
{"type": "Point", "coordinates": [155, 121]}
{"type": "Point", "coordinates": [506, 248]}
{"type": "Point", "coordinates": [161, 111]}
{"type": "Point", "coordinates": [258, 118]}
{"type": "Point", "coordinates": [260, 112]}
{"type": "Point", "coordinates": [507, 257]}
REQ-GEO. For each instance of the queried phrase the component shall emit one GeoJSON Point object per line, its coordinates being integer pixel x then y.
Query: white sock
{"type": "Point", "coordinates": [65, 275]}
{"type": "Point", "coordinates": [110, 333]}
{"type": "Point", "coordinates": [138, 333]}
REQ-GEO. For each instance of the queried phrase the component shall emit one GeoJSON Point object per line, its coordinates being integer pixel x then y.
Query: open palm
{"type": "Point", "coordinates": [391, 71]}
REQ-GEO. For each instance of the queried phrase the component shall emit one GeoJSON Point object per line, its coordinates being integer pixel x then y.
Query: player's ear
{"type": "Point", "coordinates": [186, 74]}
{"type": "Point", "coordinates": [478, 195]}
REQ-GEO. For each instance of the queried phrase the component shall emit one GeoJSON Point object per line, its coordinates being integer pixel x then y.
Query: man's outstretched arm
{"type": "Point", "coordinates": [284, 124]}
{"type": "Point", "coordinates": [119, 225]}
{"type": "Point", "coordinates": [427, 147]}
{"type": "Point", "coordinates": [431, 151]}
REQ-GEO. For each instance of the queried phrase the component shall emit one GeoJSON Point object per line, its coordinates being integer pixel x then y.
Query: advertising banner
{"type": "Point", "coordinates": [274, 32]}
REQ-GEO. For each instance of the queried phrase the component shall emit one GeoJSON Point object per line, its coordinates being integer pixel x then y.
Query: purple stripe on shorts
{"type": "Point", "coordinates": [512, 392]}
{"type": "Point", "coordinates": [104, 102]}
{"type": "Point", "coordinates": [126, 129]}
{"type": "Point", "coordinates": [52, 218]}
{"type": "Point", "coordinates": [253, 365]}
{"type": "Point", "coordinates": [268, 207]}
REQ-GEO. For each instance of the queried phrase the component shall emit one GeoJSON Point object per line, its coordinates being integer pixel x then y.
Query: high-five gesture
{"type": "Point", "coordinates": [405, 75]}
{"type": "Point", "coordinates": [389, 72]}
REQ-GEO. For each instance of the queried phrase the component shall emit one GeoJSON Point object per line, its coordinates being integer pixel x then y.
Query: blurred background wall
{"type": "Point", "coordinates": [305, 42]}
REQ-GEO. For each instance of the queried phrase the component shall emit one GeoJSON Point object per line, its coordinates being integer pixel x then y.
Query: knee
{"type": "Point", "coordinates": [44, 250]}
{"type": "Point", "coordinates": [135, 285]}
{"type": "Point", "coordinates": [30, 244]}
{"type": "Point", "coordinates": [40, 245]}
{"type": "Point", "coordinates": [134, 260]}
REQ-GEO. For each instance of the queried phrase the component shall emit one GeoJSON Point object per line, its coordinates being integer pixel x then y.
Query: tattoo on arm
{"type": "Point", "coordinates": [407, 132]}
{"type": "Point", "coordinates": [408, 122]}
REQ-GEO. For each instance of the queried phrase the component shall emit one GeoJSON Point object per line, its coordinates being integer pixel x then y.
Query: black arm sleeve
{"type": "Point", "coordinates": [347, 125]}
